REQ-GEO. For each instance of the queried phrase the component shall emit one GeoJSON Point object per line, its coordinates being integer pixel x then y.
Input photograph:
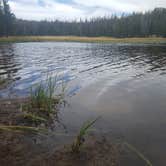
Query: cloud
{"type": "Point", "coordinates": [39, 10]}
{"type": "Point", "coordinates": [74, 9]}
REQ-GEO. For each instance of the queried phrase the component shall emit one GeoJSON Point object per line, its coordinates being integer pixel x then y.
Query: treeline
{"type": "Point", "coordinates": [134, 25]}
{"type": "Point", "coordinates": [7, 19]}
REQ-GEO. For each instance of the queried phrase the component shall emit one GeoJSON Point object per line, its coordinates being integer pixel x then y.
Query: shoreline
{"type": "Point", "coordinates": [48, 148]}
{"type": "Point", "coordinates": [134, 40]}
{"type": "Point", "coordinates": [96, 143]}
{"type": "Point", "coordinates": [39, 142]}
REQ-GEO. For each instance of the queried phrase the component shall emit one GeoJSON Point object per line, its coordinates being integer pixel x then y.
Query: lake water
{"type": "Point", "coordinates": [123, 83]}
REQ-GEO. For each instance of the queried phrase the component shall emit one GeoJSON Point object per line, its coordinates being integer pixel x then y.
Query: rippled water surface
{"type": "Point", "coordinates": [125, 84]}
{"type": "Point", "coordinates": [24, 64]}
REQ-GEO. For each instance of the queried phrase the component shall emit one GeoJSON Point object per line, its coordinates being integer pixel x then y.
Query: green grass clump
{"type": "Point", "coordinates": [44, 98]}
{"type": "Point", "coordinates": [81, 136]}
{"type": "Point", "coordinates": [43, 102]}
{"type": "Point", "coordinates": [39, 109]}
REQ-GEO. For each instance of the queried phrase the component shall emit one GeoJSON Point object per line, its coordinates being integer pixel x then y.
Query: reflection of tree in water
{"type": "Point", "coordinates": [151, 58]}
{"type": "Point", "coordinates": [8, 65]}
{"type": "Point", "coordinates": [157, 59]}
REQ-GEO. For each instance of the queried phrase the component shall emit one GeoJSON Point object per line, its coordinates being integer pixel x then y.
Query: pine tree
{"type": "Point", "coordinates": [7, 18]}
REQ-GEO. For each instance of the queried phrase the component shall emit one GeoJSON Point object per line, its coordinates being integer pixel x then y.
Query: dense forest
{"type": "Point", "coordinates": [135, 25]}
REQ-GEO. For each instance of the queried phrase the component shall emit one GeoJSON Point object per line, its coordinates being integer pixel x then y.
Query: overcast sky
{"type": "Point", "coordinates": [74, 9]}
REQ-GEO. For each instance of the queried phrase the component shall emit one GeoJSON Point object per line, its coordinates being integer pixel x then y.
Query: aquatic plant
{"type": "Point", "coordinates": [44, 98]}
{"type": "Point", "coordinates": [34, 118]}
{"type": "Point", "coordinates": [81, 135]}
{"type": "Point", "coordinates": [3, 81]}
{"type": "Point", "coordinates": [21, 129]}
{"type": "Point", "coordinates": [139, 154]}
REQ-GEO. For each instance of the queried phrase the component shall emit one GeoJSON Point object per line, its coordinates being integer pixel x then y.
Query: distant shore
{"type": "Point", "coordinates": [148, 40]}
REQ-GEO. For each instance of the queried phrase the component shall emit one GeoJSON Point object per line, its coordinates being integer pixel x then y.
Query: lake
{"type": "Point", "coordinates": [125, 84]}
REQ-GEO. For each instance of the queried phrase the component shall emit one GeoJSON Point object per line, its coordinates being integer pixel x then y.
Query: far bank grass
{"type": "Point", "coordinates": [16, 39]}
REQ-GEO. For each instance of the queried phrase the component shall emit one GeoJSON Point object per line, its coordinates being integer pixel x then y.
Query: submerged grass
{"type": "Point", "coordinates": [34, 118]}
{"type": "Point", "coordinates": [40, 108]}
{"type": "Point", "coordinates": [44, 99]}
{"type": "Point", "coordinates": [139, 154]}
{"type": "Point", "coordinates": [81, 136]}
{"type": "Point", "coordinates": [82, 39]}
{"type": "Point", "coordinates": [3, 82]}
{"type": "Point", "coordinates": [42, 96]}
{"type": "Point", "coordinates": [21, 129]}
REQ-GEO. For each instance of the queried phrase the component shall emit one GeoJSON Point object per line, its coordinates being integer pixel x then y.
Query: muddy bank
{"type": "Point", "coordinates": [19, 147]}
{"type": "Point", "coordinates": [18, 150]}
{"type": "Point", "coordinates": [97, 151]}
{"type": "Point", "coordinates": [27, 148]}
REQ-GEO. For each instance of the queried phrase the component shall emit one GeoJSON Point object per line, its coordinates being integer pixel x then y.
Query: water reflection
{"type": "Point", "coordinates": [9, 67]}
{"type": "Point", "coordinates": [24, 64]}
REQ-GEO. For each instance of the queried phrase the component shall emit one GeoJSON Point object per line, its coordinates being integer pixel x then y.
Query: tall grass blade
{"type": "Point", "coordinates": [132, 148]}
{"type": "Point", "coordinates": [80, 137]}
{"type": "Point", "coordinates": [21, 129]}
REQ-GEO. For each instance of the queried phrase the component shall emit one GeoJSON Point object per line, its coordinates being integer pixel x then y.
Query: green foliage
{"type": "Point", "coordinates": [151, 23]}
{"type": "Point", "coordinates": [44, 98]}
{"type": "Point", "coordinates": [42, 105]}
{"type": "Point", "coordinates": [6, 19]}
{"type": "Point", "coordinates": [39, 108]}
{"type": "Point", "coordinates": [81, 135]}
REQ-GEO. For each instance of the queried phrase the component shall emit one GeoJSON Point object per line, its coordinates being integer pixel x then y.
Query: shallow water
{"type": "Point", "coordinates": [123, 83]}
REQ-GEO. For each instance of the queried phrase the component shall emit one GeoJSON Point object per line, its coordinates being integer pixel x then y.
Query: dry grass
{"type": "Point", "coordinates": [21, 129]}
{"type": "Point", "coordinates": [82, 39]}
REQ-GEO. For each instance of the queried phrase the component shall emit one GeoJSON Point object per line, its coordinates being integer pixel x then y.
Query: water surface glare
{"type": "Point", "coordinates": [25, 64]}
{"type": "Point", "coordinates": [125, 83]}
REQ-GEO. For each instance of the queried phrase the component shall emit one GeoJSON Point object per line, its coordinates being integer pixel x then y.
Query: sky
{"type": "Point", "coordinates": [75, 9]}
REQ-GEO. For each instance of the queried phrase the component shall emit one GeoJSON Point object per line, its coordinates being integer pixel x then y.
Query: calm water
{"type": "Point", "coordinates": [125, 84]}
